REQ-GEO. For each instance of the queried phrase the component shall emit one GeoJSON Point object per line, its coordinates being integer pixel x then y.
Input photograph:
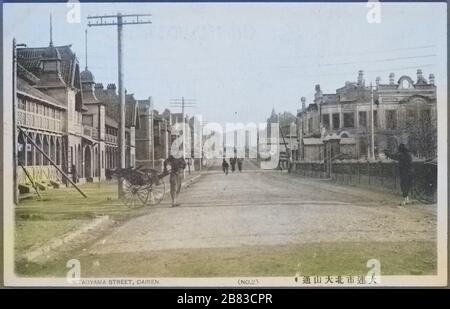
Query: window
{"type": "Point", "coordinates": [363, 146]}
{"type": "Point", "coordinates": [363, 119]}
{"type": "Point", "coordinates": [349, 120]}
{"type": "Point", "coordinates": [310, 125]}
{"type": "Point", "coordinates": [391, 119]}
{"type": "Point", "coordinates": [411, 115]}
{"type": "Point", "coordinates": [375, 119]}
{"type": "Point", "coordinates": [88, 120]}
{"type": "Point", "coordinates": [326, 120]}
{"type": "Point", "coordinates": [71, 156]}
{"type": "Point", "coordinates": [21, 104]}
{"type": "Point", "coordinates": [336, 121]}
{"type": "Point", "coordinates": [425, 115]}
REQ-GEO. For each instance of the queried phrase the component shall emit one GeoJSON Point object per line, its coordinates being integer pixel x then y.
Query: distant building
{"type": "Point", "coordinates": [132, 122]}
{"type": "Point", "coordinates": [399, 107]}
{"type": "Point", "coordinates": [153, 136]}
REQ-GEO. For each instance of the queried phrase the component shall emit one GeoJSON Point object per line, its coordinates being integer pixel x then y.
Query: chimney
{"type": "Point", "coordinates": [360, 78]}
{"type": "Point", "coordinates": [303, 99]}
{"type": "Point", "coordinates": [419, 74]}
{"type": "Point", "coordinates": [431, 78]}
{"type": "Point", "coordinates": [111, 89]}
{"type": "Point", "coordinates": [377, 81]}
{"type": "Point", "coordinates": [391, 78]}
{"type": "Point", "coordinates": [99, 86]}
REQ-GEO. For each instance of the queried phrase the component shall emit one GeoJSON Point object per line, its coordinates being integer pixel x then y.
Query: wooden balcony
{"type": "Point", "coordinates": [91, 132]}
{"type": "Point", "coordinates": [111, 139]}
{"type": "Point", "coordinates": [36, 121]}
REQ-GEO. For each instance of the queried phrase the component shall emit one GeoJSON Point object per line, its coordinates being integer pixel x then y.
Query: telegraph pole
{"type": "Point", "coordinates": [119, 20]}
{"type": "Point", "coordinates": [183, 103]}
{"type": "Point", "coordinates": [14, 121]}
{"type": "Point", "coordinates": [372, 137]}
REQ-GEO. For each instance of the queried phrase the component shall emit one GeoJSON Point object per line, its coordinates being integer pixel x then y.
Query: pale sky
{"type": "Point", "coordinates": [240, 60]}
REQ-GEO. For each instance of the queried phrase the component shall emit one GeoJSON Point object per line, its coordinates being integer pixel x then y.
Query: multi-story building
{"type": "Point", "coordinates": [50, 108]}
{"type": "Point", "coordinates": [72, 120]}
{"type": "Point", "coordinates": [402, 111]}
{"type": "Point", "coordinates": [93, 121]}
{"type": "Point", "coordinates": [111, 99]}
{"type": "Point", "coordinates": [152, 138]}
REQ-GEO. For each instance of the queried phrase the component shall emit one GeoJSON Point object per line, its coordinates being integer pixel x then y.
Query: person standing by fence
{"type": "Point", "coordinates": [405, 170]}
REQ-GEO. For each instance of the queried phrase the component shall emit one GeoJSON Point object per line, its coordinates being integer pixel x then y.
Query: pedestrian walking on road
{"type": "Point", "coordinates": [233, 164]}
{"type": "Point", "coordinates": [225, 166]}
{"type": "Point", "coordinates": [176, 176]}
{"type": "Point", "coordinates": [239, 163]}
{"type": "Point", "coordinates": [405, 169]}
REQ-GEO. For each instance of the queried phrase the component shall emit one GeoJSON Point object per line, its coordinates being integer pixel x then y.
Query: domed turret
{"type": "Point", "coordinates": [86, 76]}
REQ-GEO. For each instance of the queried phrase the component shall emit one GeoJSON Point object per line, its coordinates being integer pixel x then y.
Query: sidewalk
{"type": "Point", "coordinates": [64, 219]}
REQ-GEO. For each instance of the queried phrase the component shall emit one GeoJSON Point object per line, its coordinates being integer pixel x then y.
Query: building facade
{"type": "Point", "coordinates": [404, 111]}
{"type": "Point", "coordinates": [63, 114]}
{"type": "Point", "coordinates": [152, 137]}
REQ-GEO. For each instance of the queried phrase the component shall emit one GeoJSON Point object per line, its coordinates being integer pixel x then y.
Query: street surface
{"type": "Point", "coordinates": [267, 208]}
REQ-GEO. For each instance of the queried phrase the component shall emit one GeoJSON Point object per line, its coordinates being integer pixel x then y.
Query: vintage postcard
{"type": "Point", "coordinates": [291, 144]}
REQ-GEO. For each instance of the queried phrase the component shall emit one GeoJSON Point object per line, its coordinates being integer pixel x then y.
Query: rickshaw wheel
{"type": "Point", "coordinates": [156, 192]}
{"type": "Point", "coordinates": [134, 196]}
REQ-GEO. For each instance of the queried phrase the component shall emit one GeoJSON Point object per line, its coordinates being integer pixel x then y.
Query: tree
{"type": "Point", "coordinates": [419, 126]}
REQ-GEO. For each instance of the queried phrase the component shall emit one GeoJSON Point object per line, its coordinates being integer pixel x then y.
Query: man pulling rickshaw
{"type": "Point", "coordinates": [176, 176]}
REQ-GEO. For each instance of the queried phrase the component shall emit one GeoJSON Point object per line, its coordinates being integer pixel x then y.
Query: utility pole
{"type": "Point", "coordinates": [183, 103]}
{"type": "Point", "coordinates": [119, 20]}
{"type": "Point", "coordinates": [372, 137]}
{"type": "Point", "coordinates": [152, 130]}
{"type": "Point", "coordinates": [14, 121]}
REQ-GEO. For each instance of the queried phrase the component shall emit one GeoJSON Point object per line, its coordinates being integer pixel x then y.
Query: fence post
{"type": "Point", "coordinates": [359, 172]}
{"type": "Point", "coordinates": [368, 170]}
{"type": "Point", "coordinates": [381, 174]}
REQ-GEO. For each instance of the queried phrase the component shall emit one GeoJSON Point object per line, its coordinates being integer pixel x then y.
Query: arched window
{"type": "Point", "coordinates": [38, 154]}
{"type": "Point", "coordinates": [58, 152]}
{"type": "Point", "coordinates": [21, 148]}
{"type": "Point", "coordinates": [46, 148]}
{"type": "Point", "coordinates": [30, 151]}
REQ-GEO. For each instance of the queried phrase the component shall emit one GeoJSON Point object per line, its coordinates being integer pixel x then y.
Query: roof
{"type": "Point", "coordinates": [68, 75]}
{"type": "Point", "coordinates": [26, 89]}
{"type": "Point", "coordinates": [111, 122]}
{"type": "Point", "coordinates": [86, 76]}
{"type": "Point", "coordinates": [112, 106]}
{"type": "Point", "coordinates": [30, 58]}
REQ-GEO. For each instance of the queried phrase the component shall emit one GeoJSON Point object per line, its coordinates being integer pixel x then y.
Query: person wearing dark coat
{"type": "Point", "coordinates": [239, 163]}
{"type": "Point", "coordinates": [176, 176]}
{"type": "Point", "coordinates": [225, 166]}
{"type": "Point", "coordinates": [233, 164]}
{"type": "Point", "coordinates": [404, 159]}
